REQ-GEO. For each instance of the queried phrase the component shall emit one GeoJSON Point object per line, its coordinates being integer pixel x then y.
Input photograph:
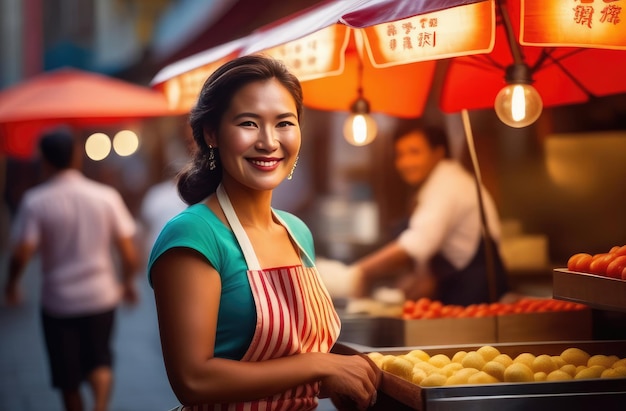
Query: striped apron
{"type": "Point", "coordinates": [295, 315]}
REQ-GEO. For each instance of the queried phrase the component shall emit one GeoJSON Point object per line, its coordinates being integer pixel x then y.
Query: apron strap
{"type": "Point", "coordinates": [240, 233]}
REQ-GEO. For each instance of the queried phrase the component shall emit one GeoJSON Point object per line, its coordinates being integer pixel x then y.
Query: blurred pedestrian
{"type": "Point", "coordinates": [441, 253]}
{"type": "Point", "coordinates": [72, 223]}
{"type": "Point", "coordinates": [245, 320]}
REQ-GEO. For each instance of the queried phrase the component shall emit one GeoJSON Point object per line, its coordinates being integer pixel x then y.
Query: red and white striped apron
{"type": "Point", "coordinates": [295, 315]}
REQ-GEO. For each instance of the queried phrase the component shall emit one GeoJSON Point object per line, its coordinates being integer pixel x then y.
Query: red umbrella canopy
{"type": "Point", "coordinates": [562, 75]}
{"type": "Point", "coordinates": [72, 97]}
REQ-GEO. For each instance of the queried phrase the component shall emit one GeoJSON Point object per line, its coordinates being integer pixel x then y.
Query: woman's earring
{"type": "Point", "coordinates": [290, 176]}
{"type": "Point", "coordinates": [211, 158]}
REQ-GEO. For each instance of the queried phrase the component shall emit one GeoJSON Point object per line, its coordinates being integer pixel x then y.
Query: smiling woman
{"type": "Point", "coordinates": [244, 318]}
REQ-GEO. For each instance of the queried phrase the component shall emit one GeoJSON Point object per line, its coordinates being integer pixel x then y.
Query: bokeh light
{"type": "Point", "coordinates": [125, 143]}
{"type": "Point", "coordinates": [98, 146]}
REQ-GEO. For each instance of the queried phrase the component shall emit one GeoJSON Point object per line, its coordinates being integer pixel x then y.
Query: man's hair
{"type": "Point", "coordinates": [57, 148]}
{"type": "Point", "coordinates": [435, 136]}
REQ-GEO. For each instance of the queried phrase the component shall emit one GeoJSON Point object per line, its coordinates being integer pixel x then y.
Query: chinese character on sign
{"type": "Point", "coordinates": [583, 15]}
{"type": "Point", "coordinates": [410, 40]}
{"type": "Point", "coordinates": [426, 39]}
{"type": "Point", "coordinates": [610, 14]}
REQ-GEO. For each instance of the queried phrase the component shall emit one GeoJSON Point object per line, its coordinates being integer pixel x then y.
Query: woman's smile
{"type": "Point", "coordinates": [265, 164]}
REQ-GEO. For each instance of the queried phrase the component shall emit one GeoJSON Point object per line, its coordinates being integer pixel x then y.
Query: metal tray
{"type": "Point", "coordinates": [596, 291]}
{"type": "Point", "coordinates": [604, 394]}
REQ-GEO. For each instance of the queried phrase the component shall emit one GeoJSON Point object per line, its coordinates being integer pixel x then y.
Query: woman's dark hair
{"type": "Point", "coordinates": [196, 181]}
{"type": "Point", "coordinates": [57, 148]}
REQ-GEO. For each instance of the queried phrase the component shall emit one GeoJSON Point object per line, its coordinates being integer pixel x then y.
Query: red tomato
{"type": "Point", "coordinates": [616, 267]}
{"type": "Point", "coordinates": [600, 262]}
{"type": "Point", "coordinates": [408, 306]}
{"type": "Point", "coordinates": [619, 250]}
{"type": "Point", "coordinates": [582, 263]}
{"type": "Point", "coordinates": [573, 261]}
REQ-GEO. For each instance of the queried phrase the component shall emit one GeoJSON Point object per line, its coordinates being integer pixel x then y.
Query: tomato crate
{"type": "Point", "coordinates": [545, 326]}
{"type": "Point", "coordinates": [596, 291]}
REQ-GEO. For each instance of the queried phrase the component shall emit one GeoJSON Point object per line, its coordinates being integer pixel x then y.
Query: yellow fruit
{"type": "Point", "coordinates": [413, 359]}
{"type": "Point", "coordinates": [418, 375]}
{"type": "Point", "coordinates": [609, 373]}
{"type": "Point", "coordinates": [422, 355]}
{"type": "Point", "coordinates": [495, 369]}
{"type": "Point", "coordinates": [575, 356]}
{"type": "Point", "coordinates": [488, 352]}
{"type": "Point", "coordinates": [526, 359]}
{"type": "Point", "coordinates": [619, 363]}
{"type": "Point", "coordinates": [387, 359]}
{"type": "Point", "coordinates": [434, 380]}
{"type": "Point", "coordinates": [540, 376]}
{"type": "Point", "coordinates": [439, 360]}
{"type": "Point", "coordinates": [458, 356]}
{"type": "Point", "coordinates": [377, 358]}
{"type": "Point", "coordinates": [481, 377]}
{"type": "Point", "coordinates": [518, 372]}
{"type": "Point", "coordinates": [473, 360]}
{"type": "Point", "coordinates": [594, 371]}
{"type": "Point", "coordinates": [604, 360]}
{"type": "Point", "coordinates": [450, 369]}
{"type": "Point", "coordinates": [461, 376]}
{"type": "Point", "coordinates": [543, 363]}
{"type": "Point", "coordinates": [399, 366]}
{"type": "Point", "coordinates": [427, 367]}
{"type": "Point", "coordinates": [569, 368]}
{"type": "Point", "coordinates": [558, 375]}
{"type": "Point", "coordinates": [620, 371]}
{"type": "Point", "coordinates": [558, 361]}
{"type": "Point", "coordinates": [504, 359]}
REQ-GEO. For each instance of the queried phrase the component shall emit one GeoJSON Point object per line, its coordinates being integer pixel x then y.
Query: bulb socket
{"type": "Point", "coordinates": [518, 73]}
{"type": "Point", "coordinates": [360, 106]}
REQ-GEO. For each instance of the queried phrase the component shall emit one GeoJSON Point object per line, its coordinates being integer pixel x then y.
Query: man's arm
{"type": "Point", "coordinates": [18, 261]}
{"type": "Point", "coordinates": [380, 264]}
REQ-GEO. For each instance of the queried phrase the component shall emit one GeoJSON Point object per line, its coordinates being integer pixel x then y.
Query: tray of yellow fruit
{"type": "Point", "coordinates": [547, 376]}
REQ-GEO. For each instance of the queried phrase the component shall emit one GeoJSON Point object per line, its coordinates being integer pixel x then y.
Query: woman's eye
{"type": "Point", "coordinates": [248, 124]}
{"type": "Point", "coordinates": [285, 124]}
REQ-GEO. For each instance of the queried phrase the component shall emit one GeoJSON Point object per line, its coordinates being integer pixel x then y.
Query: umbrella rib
{"type": "Point", "coordinates": [546, 55]}
{"type": "Point", "coordinates": [481, 62]}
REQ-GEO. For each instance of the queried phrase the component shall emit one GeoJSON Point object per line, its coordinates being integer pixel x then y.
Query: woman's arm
{"type": "Point", "coordinates": [187, 292]}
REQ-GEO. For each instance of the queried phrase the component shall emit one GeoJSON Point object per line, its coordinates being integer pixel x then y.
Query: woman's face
{"type": "Point", "coordinates": [415, 158]}
{"type": "Point", "coordinates": [259, 135]}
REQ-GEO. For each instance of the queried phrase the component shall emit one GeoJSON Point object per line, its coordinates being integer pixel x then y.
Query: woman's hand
{"type": "Point", "coordinates": [351, 383]}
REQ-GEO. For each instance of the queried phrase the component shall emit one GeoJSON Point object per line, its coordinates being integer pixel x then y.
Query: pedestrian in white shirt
{"type": "Point", "coordinates": [73, 222]}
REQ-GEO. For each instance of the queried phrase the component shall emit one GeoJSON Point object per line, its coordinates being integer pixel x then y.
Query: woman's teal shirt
{"type": "Point", "coordinates": [198, 228]}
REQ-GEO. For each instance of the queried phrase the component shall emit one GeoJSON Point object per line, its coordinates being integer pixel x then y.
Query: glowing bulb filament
{"type": "Point", "coordinates": [518, 104]}
{"type": "Point", "coordinates": [359, 129]}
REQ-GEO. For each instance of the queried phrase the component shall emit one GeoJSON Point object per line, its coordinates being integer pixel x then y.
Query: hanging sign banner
{"type": "Point", "coordinates": [576, 23]}
{"type": "Point", "coordinates": [457, 31]}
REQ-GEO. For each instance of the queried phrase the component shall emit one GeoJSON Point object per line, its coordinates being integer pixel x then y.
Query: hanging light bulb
{"type": "Point", "coordinates": [360, 128]}
{"type": "Point", "coordinates": [518, 104]}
